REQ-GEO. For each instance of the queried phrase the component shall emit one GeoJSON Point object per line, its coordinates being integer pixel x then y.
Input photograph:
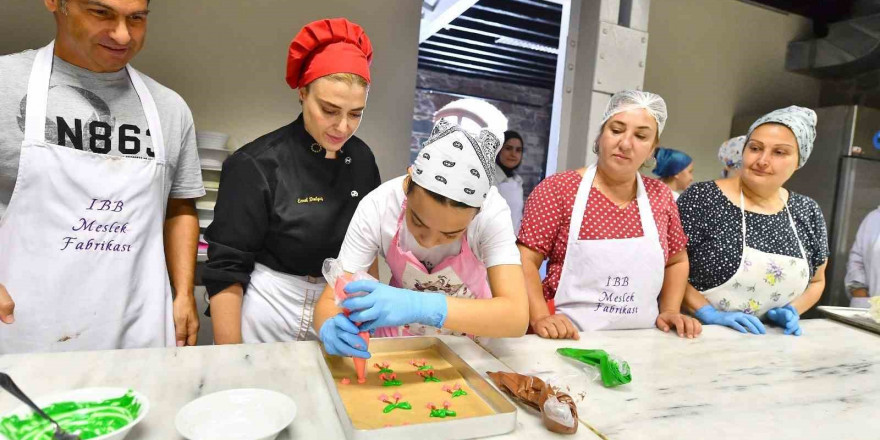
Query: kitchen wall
{"type": "Point", "coordinates": [713, 59]}
{"type": "Point", "coordinates": [227, 59]}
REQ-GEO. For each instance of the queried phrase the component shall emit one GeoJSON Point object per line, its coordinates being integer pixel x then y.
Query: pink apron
{"type": "Point", "coordinates": [462, 275]}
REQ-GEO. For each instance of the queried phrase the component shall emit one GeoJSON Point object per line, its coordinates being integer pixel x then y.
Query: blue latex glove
{"type": "Point", "coordinates": [786, 317]}
{"type": "Point", "coordinates": [735, 320]}
{"type": "Point", "coordinates": [340, 338]}
{"type": "Point", "coordinates": [386, 306]}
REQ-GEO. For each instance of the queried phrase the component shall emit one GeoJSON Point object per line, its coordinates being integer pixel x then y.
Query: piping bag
{"type": "Point", "coordinates": [558, 411]}
{"type": "Point", "coordinates": [336, 277]}
{"type": "Point", "coordinates": [614, 371]}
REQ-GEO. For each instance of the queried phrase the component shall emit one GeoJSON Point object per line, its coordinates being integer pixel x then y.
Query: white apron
{"type": "Point", "coordinates": [763, 280]}
{"type": "Point", "coordinates": [278, 307]}
{"type": "Point", "coordinates": [82, 240]}
{"type": "Point", "coordinates": [611, 284]}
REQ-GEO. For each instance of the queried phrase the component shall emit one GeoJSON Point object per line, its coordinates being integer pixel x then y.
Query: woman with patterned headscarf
{"type": "Point", "coordinates": [613, 238]}
{"type": "Point", "coordinates": [731, 156]}
{"type": "Point", "coordinates": [445, 232]}
{"type": "Point", "coordinates": [286, 198]}
{"type": "Point", "coordinates": [757, 251]}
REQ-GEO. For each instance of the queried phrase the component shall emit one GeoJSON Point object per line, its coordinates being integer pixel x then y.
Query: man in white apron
{"type": "Point", "coordinates": [83, 262]}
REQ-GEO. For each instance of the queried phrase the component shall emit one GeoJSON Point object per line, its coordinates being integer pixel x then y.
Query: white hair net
{"type": "Point", "coordinates": [637, 99]}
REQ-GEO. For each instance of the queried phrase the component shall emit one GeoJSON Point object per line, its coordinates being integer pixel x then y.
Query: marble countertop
{"type": "Point", "coordinates": [724, 385]}
{"type": "Point", "coordinates": [172, 377]}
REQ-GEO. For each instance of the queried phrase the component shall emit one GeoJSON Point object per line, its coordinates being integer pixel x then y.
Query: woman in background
{"type": "Point", "coordinates": [731, 156]}
{"type": "Point", "coordinates": [675, 169]}
{"type": "Point", "coordinates": [510, 184]}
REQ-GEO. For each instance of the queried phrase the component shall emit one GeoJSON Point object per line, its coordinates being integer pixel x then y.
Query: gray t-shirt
{"type": "Point", "coordinates": [92, 112]}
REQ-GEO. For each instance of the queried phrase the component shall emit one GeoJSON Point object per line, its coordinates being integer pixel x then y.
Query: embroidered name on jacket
{"type": "Point", "coordinates": [311, 199]}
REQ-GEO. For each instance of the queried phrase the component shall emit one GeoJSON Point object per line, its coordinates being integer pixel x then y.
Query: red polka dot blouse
{"type": "Point", "coordinates": [547, 217]}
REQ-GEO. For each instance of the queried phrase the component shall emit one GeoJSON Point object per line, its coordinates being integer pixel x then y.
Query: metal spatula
{"type": "Point", "coordinates": [10, 386]}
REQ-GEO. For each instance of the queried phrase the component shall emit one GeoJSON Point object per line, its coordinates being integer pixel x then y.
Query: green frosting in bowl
{"type": "Point", "coordinates": [86, 419]}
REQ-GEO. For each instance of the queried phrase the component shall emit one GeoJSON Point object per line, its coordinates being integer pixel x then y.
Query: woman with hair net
{"type": "Point", "coordinates": [757, 251]}
{"type": "Point", "coordinates": [675, 169]}
{"type": "Point", "coordinates": [613, 239]}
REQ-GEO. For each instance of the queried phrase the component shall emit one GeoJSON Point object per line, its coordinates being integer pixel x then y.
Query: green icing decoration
{"type": "Point", "coordinates": [425, 367]}
{"type": "Point", "coordinates": [86, 419]}
{"type": "Point", "coordinates": [442, 413]}
{"type": "Point", "coordinates": [399, 405]}
{"type": "Point", "coordinates": [458, 393]}
{"type": "Point", "coordinates": [385, 370]}
{"type": "Point", "coordinates": [431, 379]}
{"type": "Point", "coordinates": [392, 383]}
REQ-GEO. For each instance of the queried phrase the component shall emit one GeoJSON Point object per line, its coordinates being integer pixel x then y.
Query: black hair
{"type": "Point", "coordinates": [510, 134]}
{"type": "Point", "coordinates": [411, 186]}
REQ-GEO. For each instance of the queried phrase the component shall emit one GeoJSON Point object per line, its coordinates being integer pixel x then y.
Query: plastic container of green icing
{"type": "Point", "coordinates": [92, 413]}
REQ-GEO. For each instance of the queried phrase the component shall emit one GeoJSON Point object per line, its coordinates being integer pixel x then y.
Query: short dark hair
{"type": "Point", "coordinates": [411, 186]}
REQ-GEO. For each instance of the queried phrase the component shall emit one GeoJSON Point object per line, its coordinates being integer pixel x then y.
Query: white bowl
{"type": "Point", "coordinates": [240, 414]}
{"type": "Point", "coordinates": [212, 158]}
{"type": "Point", "coordinates": [211, 139]}
{"type": "Point", "coordinates": [88, 395]}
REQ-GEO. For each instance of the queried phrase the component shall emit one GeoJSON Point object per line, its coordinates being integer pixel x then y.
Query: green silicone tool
{"type": "Point", "coordinates": [614, 371]}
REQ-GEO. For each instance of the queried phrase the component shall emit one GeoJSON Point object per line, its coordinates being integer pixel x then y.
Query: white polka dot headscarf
{"type": "Point", "coordinates": [455, 165]}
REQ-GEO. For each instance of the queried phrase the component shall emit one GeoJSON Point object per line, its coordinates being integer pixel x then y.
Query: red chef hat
{"type": "Point", "coordinates": [328, 46]}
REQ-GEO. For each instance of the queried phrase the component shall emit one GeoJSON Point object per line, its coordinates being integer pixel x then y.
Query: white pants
{"type": "Point", "coordinates": [278, 307]}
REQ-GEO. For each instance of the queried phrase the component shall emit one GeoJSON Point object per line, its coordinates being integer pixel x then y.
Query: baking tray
{"type": "Point", "coordinates": [853, 316]}
{"type": "Point", "coordinates": [503, 421]}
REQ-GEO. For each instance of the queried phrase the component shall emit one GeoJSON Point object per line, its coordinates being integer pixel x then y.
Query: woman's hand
{"type": "Point", "coordinates": [684, 324]}
{"type": "Point", "coordinates": [340, 338]}
{"type": "Point", "coordinates": [739, 321]}
{"type": "Point", "coordinates": [555, 327]}
{"type": "Point", "coordinates": [386, 306]}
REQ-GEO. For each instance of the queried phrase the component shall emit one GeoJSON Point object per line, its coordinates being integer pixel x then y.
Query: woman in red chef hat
{"type": "Point", "coordinates": [286, 199]}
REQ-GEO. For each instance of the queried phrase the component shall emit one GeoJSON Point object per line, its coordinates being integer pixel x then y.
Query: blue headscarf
{"type": "Point", "coordinates": [670, 162]}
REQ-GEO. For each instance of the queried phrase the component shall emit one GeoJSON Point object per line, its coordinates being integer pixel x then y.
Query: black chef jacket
{"type": "Point", "coordinates": [284, 206]}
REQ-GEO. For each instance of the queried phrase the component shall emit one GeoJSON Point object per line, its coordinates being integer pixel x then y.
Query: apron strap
{"type": "Point", "coordinates": [579, 208]}
{"type": "Point", "coordinates": [151, 112]}
{"type": "Point", "coordinates": [649, 225]}
{"type": "Point", "coordinates": [785, 208]}
{"type": "Point", "coordinates": [38, 94]}
{"type": "Point", "coordinates": [794, 228]}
